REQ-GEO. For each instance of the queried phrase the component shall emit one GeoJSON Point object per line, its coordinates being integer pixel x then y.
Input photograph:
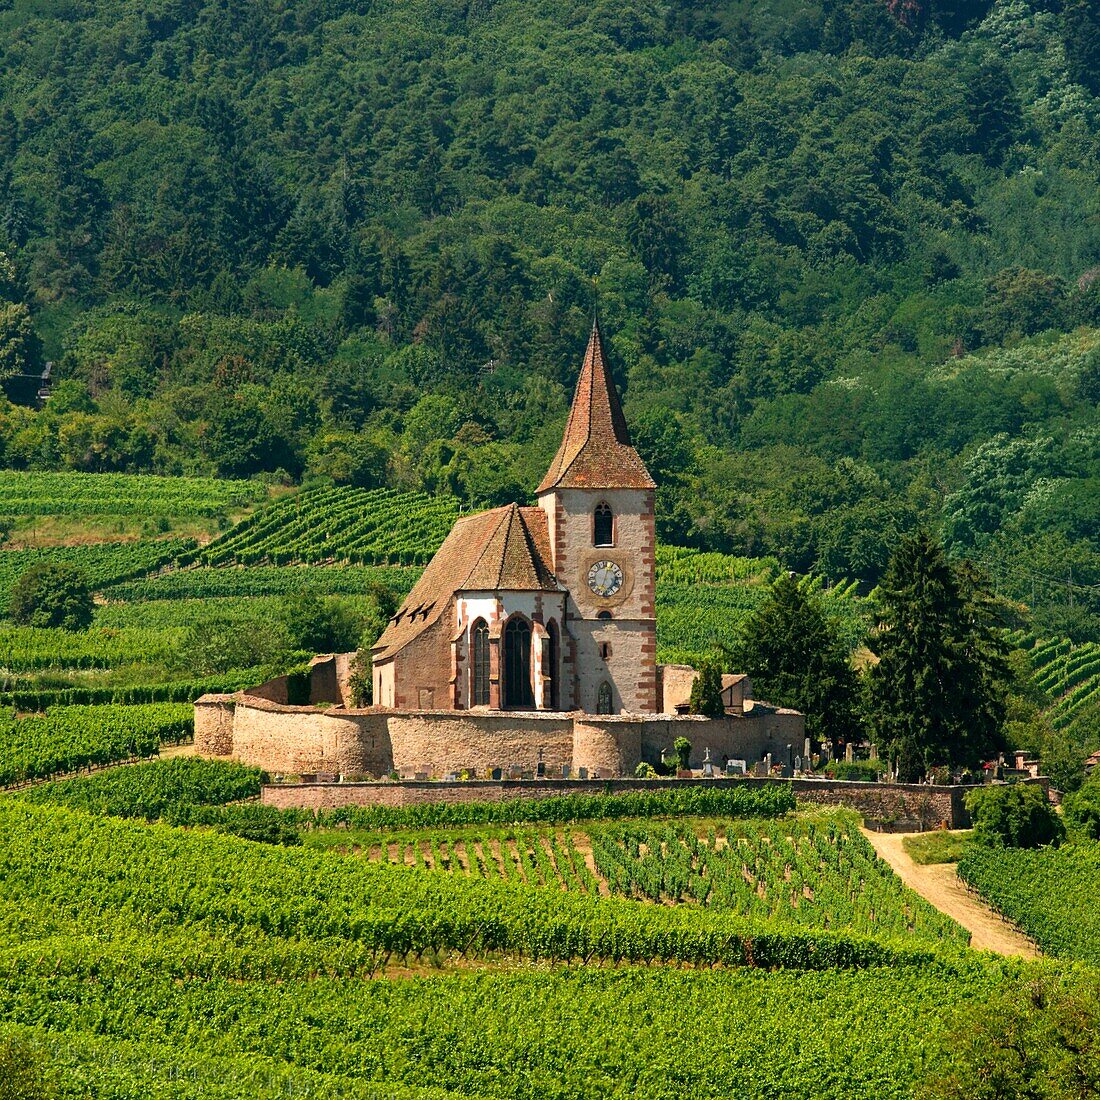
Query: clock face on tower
{"type": "Point", "coordinates": [605, 578]}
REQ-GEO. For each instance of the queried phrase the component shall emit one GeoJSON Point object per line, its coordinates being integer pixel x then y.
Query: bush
{"type": "Point", "coordinates": [1081, 809]}
{"type": "Point", "coordinates": [864, 771]}
{"type": "Point", "coordinates": [52, 595]}
{"type": "Point", "coordinates": [1018, 815]}
{"type": "Point", "coordinates": [682, 747]}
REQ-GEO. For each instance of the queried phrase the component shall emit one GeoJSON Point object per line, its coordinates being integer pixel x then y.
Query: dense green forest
{"type": "Point", "coordinates": [847, 257]}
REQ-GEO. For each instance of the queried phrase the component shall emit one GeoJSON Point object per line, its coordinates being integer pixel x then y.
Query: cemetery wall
{"type": "Point", "coordinates": [278, 737]}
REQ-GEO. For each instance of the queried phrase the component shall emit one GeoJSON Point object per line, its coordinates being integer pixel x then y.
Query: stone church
{"type": "Point", "coordinates": [528, 645]}
{"type": "Point", "coordinates": [548, 608]}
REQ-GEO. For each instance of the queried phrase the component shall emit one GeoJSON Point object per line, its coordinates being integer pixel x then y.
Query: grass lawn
{"type": "Point", "coordinates": [942, 846]}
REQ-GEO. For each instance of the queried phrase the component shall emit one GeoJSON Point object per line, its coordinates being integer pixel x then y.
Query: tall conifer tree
{"type": "Point", "coordinates": [935, 694]}
{"type": "Point", "coordinates": [796, 658]}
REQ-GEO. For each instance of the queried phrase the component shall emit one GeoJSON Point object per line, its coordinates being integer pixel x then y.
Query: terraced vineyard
{"type": "Point", "coordinates": [696, 617]}
{"type": "Point", "coordinates": [1070, 675]}
{"type": "Point", "coordinates": [103, 563]}
{"type": "Point", "coordinates": [357, 526]}
{"type": "Point", "coordinates": [66, 494]}
{"type": "Point", "coordinates": [820, 874]}
{"type": "Point", "coordinates": [67, 738]}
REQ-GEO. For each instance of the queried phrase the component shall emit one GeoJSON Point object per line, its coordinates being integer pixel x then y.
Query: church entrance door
{"type": "Point", "coordinates": [518, 691]}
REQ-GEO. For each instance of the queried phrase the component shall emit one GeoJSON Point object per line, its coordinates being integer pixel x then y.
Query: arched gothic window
{"type": "Point", "coordinates": [603, 699]}
{"type": "Point", "coordinates": [553, 656]}
{"type": "Point", "coordinates": [603, 525]}
{"type": "Point", "coordinates": [518, 691]}
{"type": "Point", "coordinates": [479, 664]}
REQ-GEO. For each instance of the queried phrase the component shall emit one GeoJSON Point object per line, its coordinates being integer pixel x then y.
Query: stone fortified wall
{"type": "Point", "coordinates": [301, 740]}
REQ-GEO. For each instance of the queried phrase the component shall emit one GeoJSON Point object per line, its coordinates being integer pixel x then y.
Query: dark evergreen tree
{"type": "Point", "coordinates": [706, 691]}
{"type": "Point", "coordinates": [795, 656]}
{"type": "Point", "coordinates": [935, 695]}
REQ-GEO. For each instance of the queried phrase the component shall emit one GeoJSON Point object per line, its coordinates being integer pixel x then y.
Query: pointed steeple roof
{"type": "Point", "coordinates": [596, 452]}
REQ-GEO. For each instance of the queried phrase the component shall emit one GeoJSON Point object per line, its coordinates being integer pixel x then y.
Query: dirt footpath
{"type": "Point", "coordinates": [938, 884]}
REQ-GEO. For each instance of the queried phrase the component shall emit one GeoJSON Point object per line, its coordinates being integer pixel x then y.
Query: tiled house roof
{"type": "Point", "coordinates": [596, 451]}
{"type": "Point", "coordinates": [506, 549]}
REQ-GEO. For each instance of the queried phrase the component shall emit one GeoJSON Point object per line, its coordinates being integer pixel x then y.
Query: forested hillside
{"type": "Point", "coordinates": [848, 257]}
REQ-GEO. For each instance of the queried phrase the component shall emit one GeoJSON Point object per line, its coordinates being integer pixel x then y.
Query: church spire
{"type": "Point", "coordinates": [596, 452]}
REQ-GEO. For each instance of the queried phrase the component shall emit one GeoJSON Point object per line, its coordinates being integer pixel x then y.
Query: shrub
{"type": "Point", "coordinates": [1082, 809]}
{"type": "Point", "coordinates": [1018, 815]}
{"type": "Point", "coordinates": [865, 771]}
{"type": "Point", "coordinates": [52, 595]}
{"type": "Point", "coordinates": [682, 747]}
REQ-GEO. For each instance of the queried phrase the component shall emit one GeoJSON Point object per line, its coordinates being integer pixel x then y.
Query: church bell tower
{"type": "Point", "coordinates": [599, 499]}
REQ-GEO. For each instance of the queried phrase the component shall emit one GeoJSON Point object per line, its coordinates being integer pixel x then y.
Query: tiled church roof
{"type": "Point", "coordinates": [506, 549]}
{"type": "Point", "coordinates": [596, 451]}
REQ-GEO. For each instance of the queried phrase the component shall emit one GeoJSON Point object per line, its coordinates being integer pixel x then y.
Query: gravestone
{"type": "Point", "coordinates": [768, 762]}
{"type": "Point", "coordinates": [741, 766]}
{"type": "Point", "coordinates": [540, 769]}
{"type": "Point", "coordinates": [583, 773]}
{"type": "Point", "coordinates": [450, 777]}
{"type": "Point", "coordinates": [762, 769]}
{"type": "Point", "coordinates": [807, 750]}
{"type": "Point", "coordinates": [849, 753]}
{"type": "Point", "coordinates": [731, 769]}
{"type": "Point", "coordinates": [497, 774]}
{"type": "Point", "coordinates": [565, 771]}
{"type": "Point", "coordinates": [786, 761]}
{"type": "Point", "coordinates": [708, 767]}
{"type": "Point", "coordinates": [798, 763]}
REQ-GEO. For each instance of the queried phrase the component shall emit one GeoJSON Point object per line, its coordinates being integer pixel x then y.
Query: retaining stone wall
{"type": "Point", "coordinates": [891, 807]}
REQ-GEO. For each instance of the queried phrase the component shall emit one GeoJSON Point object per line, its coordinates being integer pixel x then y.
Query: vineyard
{"type": "Point", "coordinates": [129, 1028]}
{"type": "Point", "coordinates": [153, 790]}
{"type": "Point", "coordinates": [1047, 892]}
{"type": "Point", "coordinates": [103, 563]}
{"type": "Point", "coordinates": [355, 526]}
{"type": "Point", "coordinates": [65, 739]}
{"type": "Point", "coordinates": [819, 874]}
{"type": "Point", "coordinates": [64, 494]}
{"type": "Point", "coordinates": [697, 618]}
{"type": "Point", "coordinates": [320, 912]}
{"type": "Point", "coordinates": [1070, 675]}
{"type": "Point", "coordinates": [207, 583]}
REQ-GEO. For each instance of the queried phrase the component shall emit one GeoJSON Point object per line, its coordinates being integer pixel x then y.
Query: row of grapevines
{"type": "Point", "coordinates": [1047, 892]}
{"type": "Point", "coordinates": [84, 1062]}
{"type": "Point", "coordinates": [121, 1028]}
{"type": "Point", "coordinates": [57, 494]}
{"type": "Point", "coordinates": [103, 563]}
{"type": "Point", "coordinates": [67, 738]}
{"type": "Point", "coordinates": [366, 527]}
{"type": "Point", "coordinates": [170, 691]}
{"type": "Point", "coordinates": [805, 872]}
{"type": "Point", "coordinates": [216, 583]}
{"type": "Point", "coordinates": [818, 874]}
{"type": "Point", "coordinates": [683, 566]}
{"type": "Point", "coordinates": [154, 789]}
{"type": "Point", "coordinates": [114, 876]}
{"type": "Point", "coordinates": [27, 648]}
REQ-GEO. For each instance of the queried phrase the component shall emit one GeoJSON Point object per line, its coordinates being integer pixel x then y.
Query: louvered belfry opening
{"type": "Point", "coordinates": [518, 691]}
